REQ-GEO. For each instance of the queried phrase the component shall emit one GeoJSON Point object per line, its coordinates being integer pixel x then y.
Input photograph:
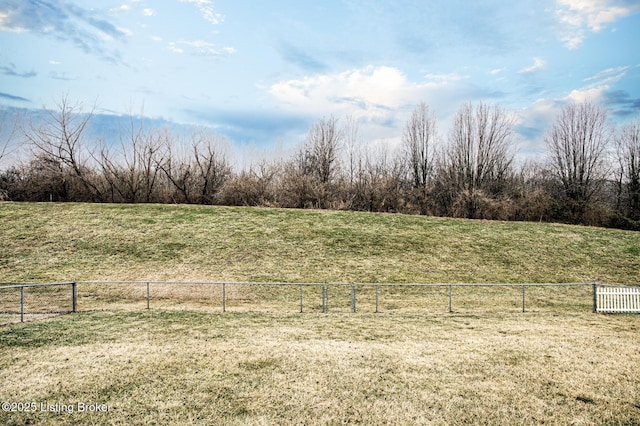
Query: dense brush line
{"type": "Point", "coordinates": [591, 175]}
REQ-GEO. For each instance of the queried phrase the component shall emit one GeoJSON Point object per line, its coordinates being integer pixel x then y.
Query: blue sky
{"type": "Point", "coordinates": [262, 72]}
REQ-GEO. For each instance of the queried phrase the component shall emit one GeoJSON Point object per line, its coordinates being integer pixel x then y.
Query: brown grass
{"type": "Point", "coordinates": [175, 367]}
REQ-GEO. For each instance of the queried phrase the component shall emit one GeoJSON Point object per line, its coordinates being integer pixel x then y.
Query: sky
{"type": "Point", "coordinates": [262, 72]}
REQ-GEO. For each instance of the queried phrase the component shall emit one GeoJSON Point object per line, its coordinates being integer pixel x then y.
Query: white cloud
{"type": "Point", "coordinates": [148, 12]}
{"type": "Point", "coordinates": [593, 94]}
{"type": "Point", "coordinates": [371, 91]}
{"type": "Point", "coordinates": [7, 24]}
{"type": "Point", "coordinates": [542, 110]}
{"type": "Point", "coordinates": [598, 85]}
{"type": "Point", "coordinates": [445, 78]}
{"type": "Point", "coordinates": [156, 38]}
{"type": "Point", "coordinates": [379, 97]}
{"type": "Point", "coordinates": [538, 63]}
{"type": "Point", "coordinates": [125, 31]}
{"type": "Point", "coordinates": [579, 16]}
{"type": "Point", "coordinates": [207, 10]}
{"type": "Point", "coordinates": [174, 48]}
{"type": "Point", "coordinates": [532, 123]}
{"type": "Point", "coordinates": [200, 48]}
{"type": "Point", "coordinates": [610, 75]}
{"type": "Point", "coordinates": [121, 9]}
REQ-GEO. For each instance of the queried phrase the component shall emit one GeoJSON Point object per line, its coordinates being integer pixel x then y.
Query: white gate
{"type": "Point", "coordinates": [617, 299]}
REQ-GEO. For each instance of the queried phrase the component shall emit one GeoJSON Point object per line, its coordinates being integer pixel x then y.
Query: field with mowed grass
{"type": "Point", "coordinates": [57, 242]}
{"type": "Point", "coordinates": [184, 361]}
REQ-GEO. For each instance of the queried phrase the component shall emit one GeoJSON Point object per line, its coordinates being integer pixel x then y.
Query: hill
{"type": "Point", "coordinates": [51, 241]}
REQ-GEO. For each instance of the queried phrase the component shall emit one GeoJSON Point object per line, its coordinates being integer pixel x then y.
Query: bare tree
{"type": "Point", "coordinates": [628, 154]}
{"type": "Point", "coordinates": [316, 164]}
{"type": "Point", "coordinates": [178, 169]}
{"type": "Point", "coordinates": [8, 129]}
{"type": "Point", "coordinates": [253, 187]}
{"type": "Point", "coordinates": [321, 149]}
{"type": "Point", "coordinates": [479, 157]}
{"type": "Point", "coordinates": [577, 145]}
{"type": "Point", "coordinates": [58, 144]}
{"type": "Point", "coordinates": [419, 140]}
{"type": "Point", "coordinates": [352, 144]}
{"type": "Point", "coordinates": [383, 180]}
{"type": "Point", "coordinates": [211, 165]}
{"type": "Point", "coordinates": [7, 133]}
{"type": "Point", "coordinates": [198, 175]}
{"type": "Point", "coordinates": [133, 173]}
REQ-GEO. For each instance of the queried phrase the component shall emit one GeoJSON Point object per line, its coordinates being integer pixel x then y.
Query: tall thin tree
{"type": "Point", "coordinates": [419, 140]}
{"type": "Point", "coordinates": [628, 154]}
{"type": "Point", "coordinates": [577, 146]}
{"type": "Point", "coordinates": [479, 156]}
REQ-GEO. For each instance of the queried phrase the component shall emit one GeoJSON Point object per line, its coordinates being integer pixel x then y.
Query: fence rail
{"type": "Point", "coordinates": [353, 297]}
{"type": "Point", "coordinates": [306, 296]}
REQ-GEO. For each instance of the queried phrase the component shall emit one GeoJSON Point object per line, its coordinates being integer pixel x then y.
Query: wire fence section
{"type": "Point", "coordinates": [34, 300]}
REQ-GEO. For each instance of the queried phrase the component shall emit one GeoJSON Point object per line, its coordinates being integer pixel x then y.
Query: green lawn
{"type": "Point", "coordinates": [52, 242]}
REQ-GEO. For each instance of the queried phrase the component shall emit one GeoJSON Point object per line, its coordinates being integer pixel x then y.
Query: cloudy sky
{"type": "Point", "coordinates": [261, 72]}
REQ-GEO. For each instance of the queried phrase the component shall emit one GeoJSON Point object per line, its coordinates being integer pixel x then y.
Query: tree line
{"type": "Point", "coordinates": [590, 174]}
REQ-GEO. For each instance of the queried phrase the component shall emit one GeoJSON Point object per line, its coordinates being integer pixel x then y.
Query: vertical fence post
{"type": "Point", "coordinates": [353, 298]}
{"type": "Point", "coordinates": [523, 290]}
{"type": "Point", "coordinates": [300, 298]}
{"type": "Point", "coordinates": [326, 298]}
{"type": "Point", "coordinates": [377, 299]}
{"type": "Point", "coordinates": [74, 296]}
{"type": "Point", "coordinates": [450, 296]}
{"type": "Point", "coordinates": [148, 295]}
{"type": "Point", "coordinates": [224, 298]}
{"type": "Point", "coordinates": [21, 304]}
{"type": "Point", "coordinates": [595, 296]}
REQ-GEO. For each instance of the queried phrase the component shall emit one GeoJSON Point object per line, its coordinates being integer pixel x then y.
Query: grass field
{"type": "Point", "coordinates": [60, 242]}
{"type": "Point", "coordinates": [186, 367]}
{"type": "Point", "coordinates": [185, 362]}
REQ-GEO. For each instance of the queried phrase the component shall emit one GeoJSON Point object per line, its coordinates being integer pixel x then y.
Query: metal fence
{"type": "Point", "coordinates": [37, 299]}
{"type": "Point", "coordinates": [34, 299]}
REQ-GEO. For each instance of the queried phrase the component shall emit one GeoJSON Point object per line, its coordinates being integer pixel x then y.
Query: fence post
{"type": "Point", "coordinates": [595, 296]}
{"type": "Point", "coordinates": [326, 298]}
{"type": "Point", "coordinates": [377, 299]}
{"type": "Point", "coordinates": [450, 296]}
{"type": "Point", "coordinates": [300, 298]}
{"type": "Point", "coordinates": [74, 296]}
{"type": "Point", "coordinates": [148, 294]}
{"type": "Point", "coordinates": [523, 290]}
{"type": "Point", "coordinates": [224, 298]}
{"type": "Point", "coordinates": [21, 304]}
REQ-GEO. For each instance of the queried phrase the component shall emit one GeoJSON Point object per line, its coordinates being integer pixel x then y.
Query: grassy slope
{"type": "Point", "coordinates": [558, 366]}
{"type": "Point", "coordinates": [45, 242]}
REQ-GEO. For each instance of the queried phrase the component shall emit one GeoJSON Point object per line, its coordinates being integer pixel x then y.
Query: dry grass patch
{"type": "Point", "coordinates": [174, 367]}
